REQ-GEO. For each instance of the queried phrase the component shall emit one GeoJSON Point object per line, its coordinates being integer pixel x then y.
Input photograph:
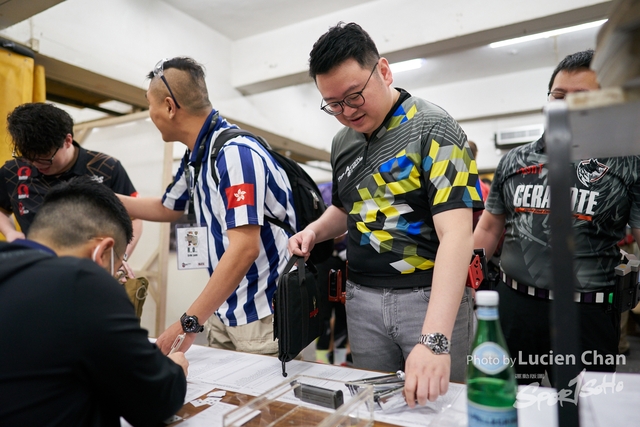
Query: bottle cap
{"type": "Point", "coordinates": [487, 298]}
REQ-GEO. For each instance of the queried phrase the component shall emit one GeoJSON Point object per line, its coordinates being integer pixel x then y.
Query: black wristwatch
{"type": "Point", "coordinates": [190, 324]}
{"type": "Point", "coordinates": [436, 342]}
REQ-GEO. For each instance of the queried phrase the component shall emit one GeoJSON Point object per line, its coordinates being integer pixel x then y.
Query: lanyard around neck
{"type": "Point", "coordinates": [197, 164]}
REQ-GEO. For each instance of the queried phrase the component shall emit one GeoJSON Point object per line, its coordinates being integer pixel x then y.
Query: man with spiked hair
{"type": "Point", "coordinates": [246, 252]}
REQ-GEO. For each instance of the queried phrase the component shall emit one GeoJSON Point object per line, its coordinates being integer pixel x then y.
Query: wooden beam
{"type": "Point", "coordinates": [296, 150]}
{"type": "Point", "coordinates": [109, 121]}
{"type": "Point", "coordinates": [163, 248]}
{"type": "Point", "coordinates": [92, 82]}
{"type": "Point", "coordinates": [15, 11]}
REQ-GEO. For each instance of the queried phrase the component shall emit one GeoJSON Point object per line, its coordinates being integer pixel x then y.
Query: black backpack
{"type": "Point", "coordinates": [307, 199]}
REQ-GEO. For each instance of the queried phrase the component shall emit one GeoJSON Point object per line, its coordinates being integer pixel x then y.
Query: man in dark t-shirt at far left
{"type": "Point", "coordinates": [45, 154]}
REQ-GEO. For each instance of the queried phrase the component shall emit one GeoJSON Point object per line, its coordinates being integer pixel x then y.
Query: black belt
{"type": "Point", "coordinates": [600, 297]}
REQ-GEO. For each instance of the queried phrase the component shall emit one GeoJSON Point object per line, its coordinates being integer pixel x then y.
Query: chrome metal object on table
{"type": "Point", "coordinates": [387, 390]}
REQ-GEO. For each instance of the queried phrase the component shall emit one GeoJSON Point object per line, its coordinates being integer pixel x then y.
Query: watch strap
{"type": "Point", "coordinates": [436, 342]}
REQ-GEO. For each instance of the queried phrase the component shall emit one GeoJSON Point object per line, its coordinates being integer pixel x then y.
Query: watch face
{"type": "Point", "coordinates": [190, 324]}
{"type": "Point", "coordinates": [438, 343]}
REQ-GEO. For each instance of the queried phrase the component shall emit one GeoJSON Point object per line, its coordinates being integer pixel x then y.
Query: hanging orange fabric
{"type": "Point", "coordinates": [21, 81]}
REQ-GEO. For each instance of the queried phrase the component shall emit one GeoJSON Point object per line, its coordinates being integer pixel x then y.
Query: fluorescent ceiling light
{"type": "Point", "coordinates": [411, 64]}
{"type": "Point", "coordinates": [547, 34]}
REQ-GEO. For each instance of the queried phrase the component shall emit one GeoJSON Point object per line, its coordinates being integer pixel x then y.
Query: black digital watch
{"type": "Point", "coordinates": [190, 324]}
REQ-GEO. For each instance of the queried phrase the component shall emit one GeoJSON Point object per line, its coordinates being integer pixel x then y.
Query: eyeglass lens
{"type": "Point", "coordinates": [38, 160]}
{"type": "Point", "coordinates": [554, 94]}
{"type": "Point", "coordinates": [353, 100]}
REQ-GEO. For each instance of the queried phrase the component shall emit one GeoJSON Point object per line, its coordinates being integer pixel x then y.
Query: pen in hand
{"type": "Point", "coordinates": [176, 343]}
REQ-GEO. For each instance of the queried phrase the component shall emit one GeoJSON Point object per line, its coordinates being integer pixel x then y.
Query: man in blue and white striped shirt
{"type": "Point", "coordinates": [246, 252]}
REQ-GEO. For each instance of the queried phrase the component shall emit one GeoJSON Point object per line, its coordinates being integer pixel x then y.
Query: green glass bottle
{"type": "Point", "coordinates": [491, 383]}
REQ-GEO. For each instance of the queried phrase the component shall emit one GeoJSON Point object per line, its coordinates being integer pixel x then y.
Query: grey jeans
{"type": "Point", "coordinates": [384, 325]}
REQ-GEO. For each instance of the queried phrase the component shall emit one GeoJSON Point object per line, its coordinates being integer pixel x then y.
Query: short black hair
{"type": "Point", "coordinates": [574, 62]}
{"type": "Point", "coordinates": [342, 42]}
{"type": "Point", "coordinates": [190, 88]}
{"type": "Point", "coordinates": [473, 147]}
{"type": "Point", "coordinates": [37, 129]}
{"type": "Point", "coordinates": [80, 209]}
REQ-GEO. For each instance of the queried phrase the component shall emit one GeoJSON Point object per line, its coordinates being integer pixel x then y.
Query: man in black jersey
{"type": "Point", "coordinates": [605, 198]}
{"type": "Point", "coordinates": [45, 154]}
{"type": "Point", "coordinates": [404, 186]}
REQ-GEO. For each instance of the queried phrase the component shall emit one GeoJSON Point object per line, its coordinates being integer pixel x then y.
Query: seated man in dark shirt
{"type": "Point", "coordinates": [73, 352]}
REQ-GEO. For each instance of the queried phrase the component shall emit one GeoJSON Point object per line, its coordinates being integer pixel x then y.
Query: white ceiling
{"type": "Point", "coordinates": [237, 19]}
{"type": "Point", "coordinates": [469, 59]}
{"type": "Point", "coordinates": [455, 60]}
{"type": "Point", "coordinates": [484, 61]}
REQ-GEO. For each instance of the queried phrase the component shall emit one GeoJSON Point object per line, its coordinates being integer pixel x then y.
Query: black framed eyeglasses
{"type": "Point", "coordinates": [38, 160]}
{"type": "Point", "coordinates": [353, 100]}
{"type": "Point", "coordinates": [158, 71]}
{"type": "Point", "coordinates": [560, 94]}
{"type": "Point", "coordinates": [556, 94]}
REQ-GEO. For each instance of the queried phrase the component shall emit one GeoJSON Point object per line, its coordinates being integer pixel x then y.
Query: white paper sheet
{"type": "Point", "coordinates": [196, 389]}
{"type": "Point", "coordinates": [210, 417]}
{"type": "Point", "coordinates": [254, 374]}
{"type": "Point", "coordinates": [608, 399]}
{"type": "Point", "coordinates": [605, 400]}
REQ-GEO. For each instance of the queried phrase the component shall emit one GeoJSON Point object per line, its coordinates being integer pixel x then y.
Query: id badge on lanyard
{"type": "Point", "coordinates": [192, 246]}
{"type": "Point", "coordinates": [192, 239]}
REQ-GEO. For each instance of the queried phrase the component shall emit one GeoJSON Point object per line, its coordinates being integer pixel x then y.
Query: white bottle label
{"type": "Point", "coordinates": [488, 416]}
{"type": "Point", "coordinates": [490, 358]}
{"type": "Point", "coordinates": [487, 313]}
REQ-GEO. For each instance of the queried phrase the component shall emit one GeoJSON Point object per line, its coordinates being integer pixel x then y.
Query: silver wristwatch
{"type": "Point", "coordinates": [436, 342]}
